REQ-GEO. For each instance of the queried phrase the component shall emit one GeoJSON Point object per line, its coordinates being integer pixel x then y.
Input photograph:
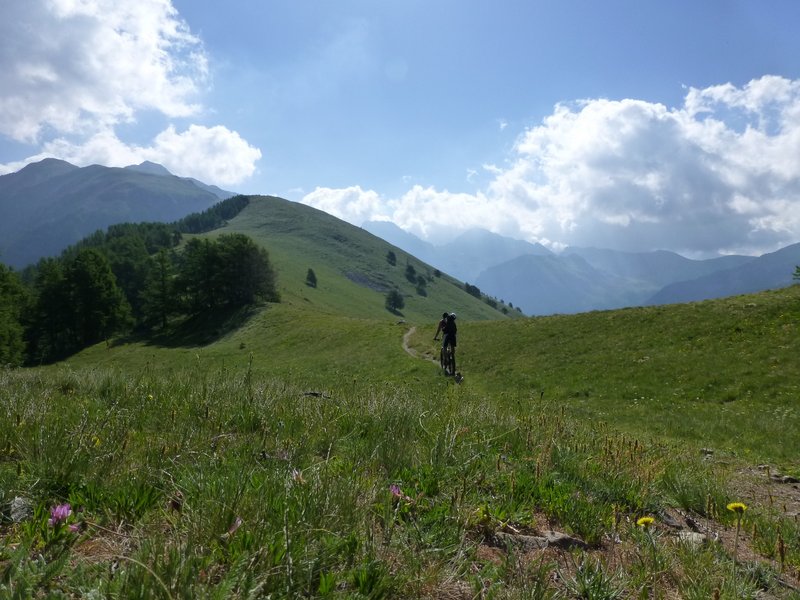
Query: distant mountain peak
{"type": "Point", "coordinates": [150, 168]}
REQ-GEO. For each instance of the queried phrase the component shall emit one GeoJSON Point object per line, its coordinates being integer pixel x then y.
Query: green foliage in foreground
{"type": "Point", "coordinates": [210, 483]}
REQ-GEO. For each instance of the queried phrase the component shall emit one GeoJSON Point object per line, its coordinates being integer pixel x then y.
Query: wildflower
{"type": "Point", "coordinates": [59, 514]}
{"type": "Point", "coordinates": [75, 528]}
{"type": "Point", "coordinates": [737, 507]}
{"type": "Point", "coordinates": [645, 521]}
{"type": "Point", "coordinates": [96, 441]}
{"type": "Point", "coordinates": [236, 524]}
{"type": "Point", "coordinates": [398, 493]}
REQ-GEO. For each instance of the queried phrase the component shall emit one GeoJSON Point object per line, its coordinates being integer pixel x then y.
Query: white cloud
{"type": "Point", "coordinates": [351, 204]}
{"type": "Point", "coordinates": [71, 66]}
{"type": "Point", "coordinates": [71, 71]}
{"type": "Point", "coordinates": [210, 154]}
{"type": "Point", "coordinates": [719, 174]}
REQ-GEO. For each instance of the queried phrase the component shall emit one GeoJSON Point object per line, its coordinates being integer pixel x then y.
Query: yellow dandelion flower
{"type": "Point", "coordinates": [645, 521]}
{"type": "Point", "coordinates": [737, 507]}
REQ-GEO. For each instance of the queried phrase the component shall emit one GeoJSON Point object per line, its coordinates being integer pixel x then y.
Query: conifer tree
{"type": "Point", "coordinates": [311, 278]}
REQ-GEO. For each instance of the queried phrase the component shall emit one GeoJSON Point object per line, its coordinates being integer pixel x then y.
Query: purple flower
{"type": "Point", "coordinates": [398, 494]}
{"type": "Point", "coordinates": [59, 514]}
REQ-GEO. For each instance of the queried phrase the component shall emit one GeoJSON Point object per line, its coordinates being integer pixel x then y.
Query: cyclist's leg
{"type": "Point", "coordinates": [450, 358]}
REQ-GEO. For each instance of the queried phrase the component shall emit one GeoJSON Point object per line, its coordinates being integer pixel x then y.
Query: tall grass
{"type": "Point", "coordinates": [220, 483]}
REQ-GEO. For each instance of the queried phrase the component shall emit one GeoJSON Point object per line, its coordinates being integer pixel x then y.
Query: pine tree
{"type": "Point", "coordinates": [395, 301]}
{"type": "Point", "coordinates": [98, 306]}
{"type": "Point", "coordinates": [13, 300]}
{"type": "Point", "coordinates": [311, 278]}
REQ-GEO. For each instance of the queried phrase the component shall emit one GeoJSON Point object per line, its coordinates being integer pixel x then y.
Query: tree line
{"type": "Point", "coordinates": [131, 277]}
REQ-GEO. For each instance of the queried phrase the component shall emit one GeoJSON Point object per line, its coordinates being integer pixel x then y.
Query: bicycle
{"type": "Point", "coordinates": [447, 359]}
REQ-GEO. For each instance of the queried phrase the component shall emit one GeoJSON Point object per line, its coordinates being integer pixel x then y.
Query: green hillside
{"type": "Point", "coordinates": [341, 326]}
{"type": "Point", "coordinates": [350, 263]}
{"type": "Point", "coordinates": [720, 373]}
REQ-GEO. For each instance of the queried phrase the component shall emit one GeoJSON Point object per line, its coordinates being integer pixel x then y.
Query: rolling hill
{"type": "Point", "coordinates": [49, 205]}
{"type": "Point", "coordinates": [342, 322]}
{"type": "Point", "coordinates": [350, 264]}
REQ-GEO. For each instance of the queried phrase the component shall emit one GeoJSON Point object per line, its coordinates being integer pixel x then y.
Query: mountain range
{"type": "Point", "coordinates": [52, 204]}
{"type": "Point", "coordinates": [541, 282]}
{"type": "Point", "coordinates": [49, 205]}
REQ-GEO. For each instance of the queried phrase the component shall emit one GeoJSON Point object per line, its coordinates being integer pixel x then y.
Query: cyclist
{"type": "Point", "coordinates": [442, 324]}
{"type": "Point", "coordinates": [449, 330]}
{"type": "Point", "coordinates": [449, 339]}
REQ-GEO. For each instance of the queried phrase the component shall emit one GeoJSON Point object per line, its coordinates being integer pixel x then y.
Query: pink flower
{"type": "Point", "coordinates": [59, 514]}
{"type": "Point", "coordinates": [398, 493]}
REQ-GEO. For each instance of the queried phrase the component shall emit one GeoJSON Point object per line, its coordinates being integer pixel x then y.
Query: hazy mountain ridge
{"type": "Point", "coordinates": [582, 279]}
{"type": "Point", "coordinates": [768, 271]}
{"type": "Point", "coordinates": [47, 206]}
{"type": "Point", "coordinates": [660, 267]}
{"type": "Point", "coordinates": [466, 256]}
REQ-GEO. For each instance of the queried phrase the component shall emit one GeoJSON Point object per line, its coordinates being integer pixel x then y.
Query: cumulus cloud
{"type": "Point", "coordinates": [719, 174]}
{"type": "Point", "coordinates": [352, 204]}
{"type": "Point", "coordinates": [72, 71]}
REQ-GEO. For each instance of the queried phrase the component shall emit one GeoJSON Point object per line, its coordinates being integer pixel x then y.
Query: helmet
{"type": "Point", "coordinates": [444, 315]}
{"type": "Point", "coordinates": [453, 316]}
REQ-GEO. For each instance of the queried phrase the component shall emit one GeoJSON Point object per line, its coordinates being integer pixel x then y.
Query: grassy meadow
{"type": "Point", "coordinates": [289, 459]}
{"type": "Point", "coordinates": [297, 449]}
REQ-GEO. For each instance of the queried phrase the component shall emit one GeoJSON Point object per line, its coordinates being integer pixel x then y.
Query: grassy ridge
{"type": "Point", "coordinates": [350, 263]}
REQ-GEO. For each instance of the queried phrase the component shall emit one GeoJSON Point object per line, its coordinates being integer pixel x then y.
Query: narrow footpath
{"type": "Point", "coordinates": [411, 352]}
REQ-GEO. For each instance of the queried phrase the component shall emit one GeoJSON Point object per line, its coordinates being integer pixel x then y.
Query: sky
{"type": "Point", "coordinates": [634, 125]}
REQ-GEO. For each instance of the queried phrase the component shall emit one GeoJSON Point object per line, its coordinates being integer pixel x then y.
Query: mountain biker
{"type": "Point", "coordinates": [442, 323]}
{"type": "Point", "coordinates": [449, 331]}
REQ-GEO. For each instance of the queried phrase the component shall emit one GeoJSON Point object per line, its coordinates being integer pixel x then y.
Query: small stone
{"type": "Point", "coordinates": [692, 538]}
{"type": "Point", "coordinates": [538, 542]}
{"type": "Point", "coordinates": [21, 509]}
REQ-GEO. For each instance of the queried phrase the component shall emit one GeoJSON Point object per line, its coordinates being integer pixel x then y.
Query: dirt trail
{"type": "Point", "coordinates": [410, 351]}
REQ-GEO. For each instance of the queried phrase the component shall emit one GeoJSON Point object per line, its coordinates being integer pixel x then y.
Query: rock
{"type": "Point", "coordinates": [670, 521]}
{"type": "Point", "coordinates": [550, 539]}
{"type": "Point", "coordinates": [21, 509]}
{"type": "Point", "coordinates": [692, 538]}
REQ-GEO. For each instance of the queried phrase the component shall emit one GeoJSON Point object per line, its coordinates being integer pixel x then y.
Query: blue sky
{"type": "Point", "coordinates": [633, 125]}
